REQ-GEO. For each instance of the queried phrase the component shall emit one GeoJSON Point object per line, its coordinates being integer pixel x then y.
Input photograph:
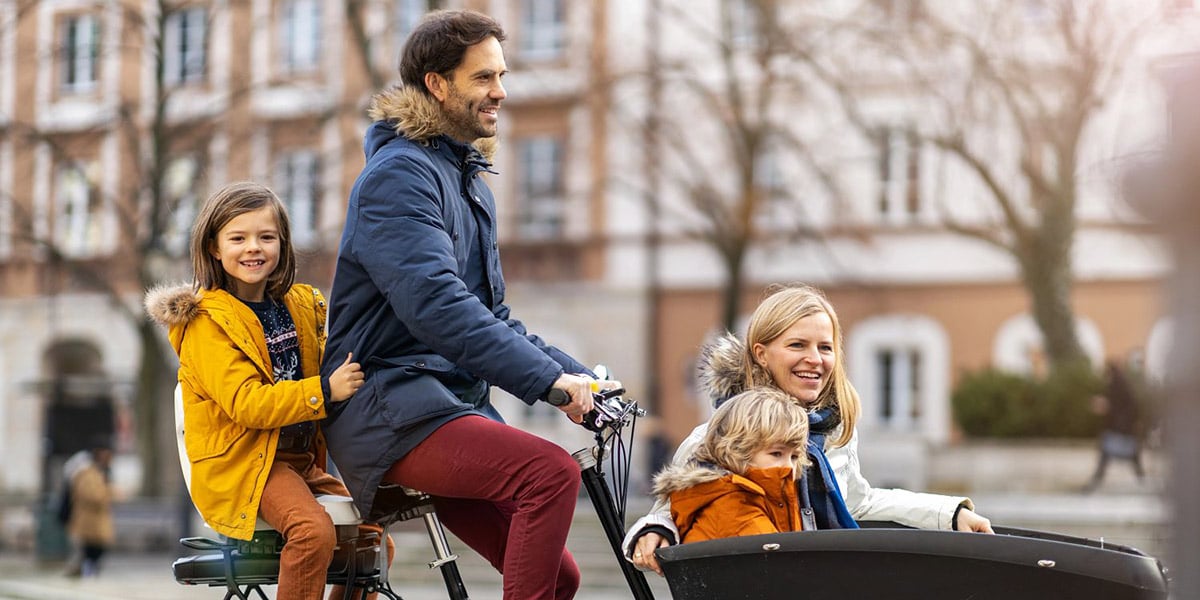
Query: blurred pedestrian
{"type": "Point", "coordinates": [90, 524]}
{"type": "Point", "coordinates": [1121, 437]}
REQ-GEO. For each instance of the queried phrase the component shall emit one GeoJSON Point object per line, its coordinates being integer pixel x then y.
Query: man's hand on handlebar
{"type": "Point", "coordinates": [579, 389]}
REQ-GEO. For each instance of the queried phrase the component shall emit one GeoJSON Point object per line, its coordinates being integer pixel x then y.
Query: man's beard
{"type": "Point", "coordinates": [463, 117]}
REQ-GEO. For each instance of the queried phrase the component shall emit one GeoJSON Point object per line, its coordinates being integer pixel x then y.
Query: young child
{"type": "Point", "coordinates": [250, 343]}
{"type": "Point", "coordinates": [741, 481]}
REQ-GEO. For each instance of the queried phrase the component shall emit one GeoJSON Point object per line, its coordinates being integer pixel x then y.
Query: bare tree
{"type": "Point", "coordinates": [725, 138]}
{"type": "Point", "coordinates": [1009, 96]}
{"type": "Point", "coordinates": [142, 210]}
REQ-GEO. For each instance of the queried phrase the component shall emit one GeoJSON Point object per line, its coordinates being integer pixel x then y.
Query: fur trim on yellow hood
{"type": "Point", "coordinates": [172, 304]}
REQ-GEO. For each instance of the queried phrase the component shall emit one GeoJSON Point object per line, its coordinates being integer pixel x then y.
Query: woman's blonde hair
{"type": "Point", "coordinates": [750, 421]}
{"type": "Point", "coordinates": [219, 209]}
{"type": "Point", "coordinates": [779, 310]}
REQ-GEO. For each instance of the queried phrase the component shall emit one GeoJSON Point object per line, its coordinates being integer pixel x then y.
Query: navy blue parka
{"type": "Point", "coordinates": [418, 296]}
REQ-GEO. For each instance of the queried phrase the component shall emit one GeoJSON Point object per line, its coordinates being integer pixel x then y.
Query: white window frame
{"type": "Point", "coordinates": [902, 333]}
{"type": "Point", "coordinates": [542, 193]}
{"type": "Point", "coordinates": [180, 192]}
{"type": "Point", "coordinates": [743, 23]}
{"type": "Point", "coordinates": [299, 36]}
{"type": "Point", "coordinates": [899, 386]}
{"type": "Point", "coordinates": [543, 29]}
{"type": "Point", "coordinates": [79, 54]}
{"type": "Point", "coordinates": [78, 222]}
{"type": "Point", "coordinates": [901, 199]}
{"type": "Point", "coordinates": [6, 205]}
{"type": "Point", "coordinates": [185, 45]}
{"type": "Point", "coordinates": [298, 183]}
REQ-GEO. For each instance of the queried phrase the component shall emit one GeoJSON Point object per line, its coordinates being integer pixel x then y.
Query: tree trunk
{"type": "Point", "coordinates": [732, 294]}
{"type": "Point", "coordinates": [1046, 269]}
{"type": "Point", "coordinates": [155, 426]}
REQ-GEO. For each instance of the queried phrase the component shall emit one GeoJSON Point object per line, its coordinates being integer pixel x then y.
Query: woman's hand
{"type": "Point", "coordinates": [969, 521]}
{"type": "Point", "coordinates": [346, 379]}
{"type": "Point", "coordinates": [643, 551]}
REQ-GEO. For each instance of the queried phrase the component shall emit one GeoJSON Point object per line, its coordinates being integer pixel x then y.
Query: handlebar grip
{"type": "Point", "coordinates": [558, 397]}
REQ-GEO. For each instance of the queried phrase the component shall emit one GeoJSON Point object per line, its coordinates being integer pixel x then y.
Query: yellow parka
{"type": "Point", "coordinates": [232, 406]}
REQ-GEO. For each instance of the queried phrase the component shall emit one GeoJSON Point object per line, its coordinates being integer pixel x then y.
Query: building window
{"type": "Point", "coordinates": [408, 14]}
{"type": "Point", "coordinates": [774, 211]}
{"type": "Point", "coordinates": [540, 198]}
{"type": "Point", "coordinates": [899, 154]}
{"type": "Point", "coordinates": [298, 183]}
{"type": "Point", "coordinates": [78, 222]}
{"type": "Point", "coordinates": [184, 43]}
{"type": "Point", "coordinates": [543, 29]}
{"type": "Point", "coordinates": [6, 211]}
{"type": "Point", "coordinates": [743, 22]}
{"type": "Point", "coordinates": [899, 372]}
{"type": "Point", "coordinates": [79, 52]}
{"type": "Point", "coordinates": [1175, 8]}
{"type": "Point", "coordinates": [300, 36]}
{"type": "Point", "coordinates": [181, 202]}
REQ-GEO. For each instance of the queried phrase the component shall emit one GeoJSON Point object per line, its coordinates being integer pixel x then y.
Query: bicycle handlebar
{"type": "Point", "coordinates": [609, 409]}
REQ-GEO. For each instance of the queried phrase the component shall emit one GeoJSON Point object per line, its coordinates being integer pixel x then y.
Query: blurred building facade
{"type": "Point", "coordinates": [116, 118]}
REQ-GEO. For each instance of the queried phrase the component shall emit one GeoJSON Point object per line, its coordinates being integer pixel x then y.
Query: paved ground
{"type": "Point", "coordinates": [1128, 519]}
{"type": "Point", "coordinates": [1033, 489]}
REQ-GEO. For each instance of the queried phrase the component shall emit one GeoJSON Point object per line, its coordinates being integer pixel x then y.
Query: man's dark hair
{"type": "Point", "coordinates": [439, 42]}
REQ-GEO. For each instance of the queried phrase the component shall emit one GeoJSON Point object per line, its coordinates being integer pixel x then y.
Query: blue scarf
{"type": "Point", "coordinates": [829, 507]}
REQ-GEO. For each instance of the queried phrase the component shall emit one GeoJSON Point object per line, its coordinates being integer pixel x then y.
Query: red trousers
{"type": "Point", "coordinates": [508, 494]}
{"type": "Point", "coordinates": [289, 506]}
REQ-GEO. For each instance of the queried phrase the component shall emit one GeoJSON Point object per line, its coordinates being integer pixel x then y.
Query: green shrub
{"type": "Point", "coordinates": [998, 404]}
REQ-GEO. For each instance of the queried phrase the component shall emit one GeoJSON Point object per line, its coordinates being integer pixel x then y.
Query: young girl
{"type": "Point", "coordinates": [741, 480]}
{"type": "Point", "coordinates": [250, 343]}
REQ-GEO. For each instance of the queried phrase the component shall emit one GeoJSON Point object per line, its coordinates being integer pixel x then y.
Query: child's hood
{"type": "Point", "coordinates": [695, 485]}
{"type": "Point", "coordinates": [684, 476]}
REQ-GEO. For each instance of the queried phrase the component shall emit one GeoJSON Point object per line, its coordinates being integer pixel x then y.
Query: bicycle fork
{"type": "Point", "coordinates": [614, 530]}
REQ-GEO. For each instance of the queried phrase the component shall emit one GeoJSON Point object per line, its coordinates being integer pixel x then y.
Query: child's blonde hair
{"type": "Point", "coordinates": [749, 422]}
{"type": "Point", "coordinates": [219, 209]}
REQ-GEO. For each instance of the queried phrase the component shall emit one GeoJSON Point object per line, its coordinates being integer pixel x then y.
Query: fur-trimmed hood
{"type": "Point", "coordinates": [708, 502]}
{"type": "Point", "coordinates": [720, 368]}
{"type": "Point", "coordinates": [686, 475]}
{"type": "Point", "coordinates": [172, 304]}
{"type": "Point", "coordinates": [416, 116]}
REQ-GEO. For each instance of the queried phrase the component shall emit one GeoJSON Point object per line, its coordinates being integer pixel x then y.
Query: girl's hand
{"type": "Point", "coordinates": [346, 380]}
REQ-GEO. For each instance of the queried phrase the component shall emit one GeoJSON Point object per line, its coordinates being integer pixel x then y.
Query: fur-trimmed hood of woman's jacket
{"type": "Point", "coordinates": [418, 117]}
{"type": "Point", "coordinates": [720, 368]}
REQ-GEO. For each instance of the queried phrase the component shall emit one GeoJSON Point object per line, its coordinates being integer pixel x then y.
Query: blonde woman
{"type": "Point", "coordinates": [794, 343]}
